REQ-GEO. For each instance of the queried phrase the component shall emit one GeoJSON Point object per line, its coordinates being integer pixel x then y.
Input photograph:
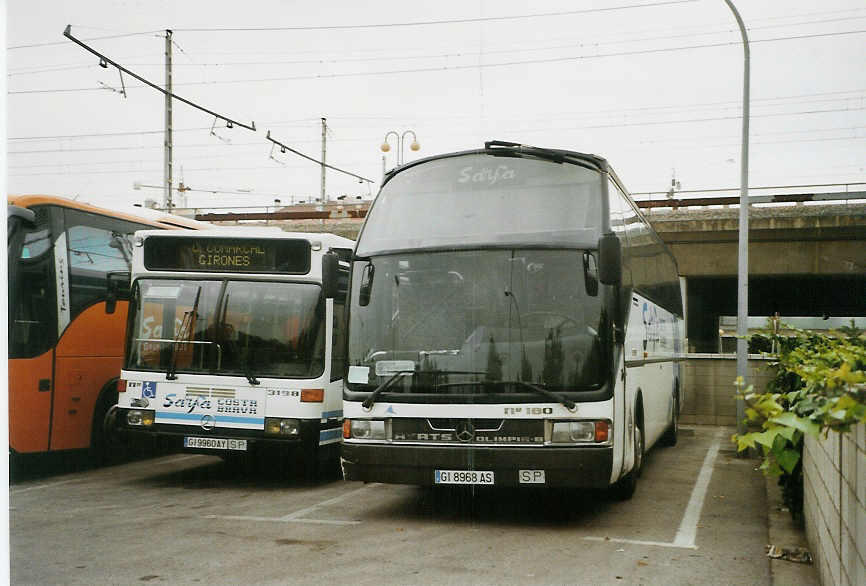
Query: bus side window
{"type": "Point", "coordinates": [97, 246]}
{"type": "Point", "coordinates": [32, 308]}
{"type": "Point", "coordinates": [338, 337]}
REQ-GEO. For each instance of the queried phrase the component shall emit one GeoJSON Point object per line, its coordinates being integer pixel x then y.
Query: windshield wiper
{"type": "Point", "coordinates": [184, 334]}
{"type": "Point", "coordinates": [567, 403]}
{"type": "Point", "coordinates": [514, 149]}
{"type": "Point", "coordinates": [368, 402]}
{"type": "Point", "coordinates": [248, 370]}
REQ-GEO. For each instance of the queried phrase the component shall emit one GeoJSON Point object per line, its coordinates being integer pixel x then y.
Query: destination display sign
{"type": "Point", "coordinates": [227, 255]}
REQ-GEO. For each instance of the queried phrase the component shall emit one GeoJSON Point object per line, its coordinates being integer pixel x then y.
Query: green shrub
{"type": "Point", "coordinates": [819, 387]}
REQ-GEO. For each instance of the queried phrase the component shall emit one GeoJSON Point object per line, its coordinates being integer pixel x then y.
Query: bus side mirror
{"type": "Point", "coordinates": [113, 290]}
{"type": "Point", "coordinates": [330, 274]}
{"type": "Point", "coordinates": [590, 273]}
{"type": "Point", "coordinates": [366, 285]}
{"type": "Point", "coordinates": [609, 260]}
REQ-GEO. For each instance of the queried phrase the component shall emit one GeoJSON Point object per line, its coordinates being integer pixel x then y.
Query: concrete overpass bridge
{"type": "Point", "coordinates": [804, 260]}
{"type": "Point", "coordinates": [807, 248]}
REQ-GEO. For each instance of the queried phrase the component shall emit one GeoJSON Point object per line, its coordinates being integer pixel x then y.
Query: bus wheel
{"type": "Point", "coordinates": [102, 439]}
{"type": "Point", "coordinates": [672, 432]}
{"type": "Point", "coordinates": [310, 464]}
{"type": "Point", "coordinates": [624, 488]}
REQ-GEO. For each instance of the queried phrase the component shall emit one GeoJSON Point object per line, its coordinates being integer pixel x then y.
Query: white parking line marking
{"type": "Point", "coordinates": [297, 516]}
{"type": "Point", "coordinates": [282, 520]}
{"type": "Point", "coordinates": [639, 542]}
{"type": "Point", "coordinates": [49, 485]}
{"type": "Point", "coordinates": [23, 489]}
{"type": "Point", "coordinates": [689, 525]}
{"type": "Point", "coordinates": [688, 530]}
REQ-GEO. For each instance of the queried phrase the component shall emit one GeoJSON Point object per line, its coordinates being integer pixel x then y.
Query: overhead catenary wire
{"type": "Point", "coordinates": [473, 66]}
{"type": "Point", "coordinates": [455, 54]}
{"type": "Point", "coordinates": [630, 123]}
{"type": "Point", "coordinates": [433, 22]}
{"type": "Point", "coordinates": [53, 43]}
{"type": "Point", "coordinates": [512, 17]}
{"type": "Point", "coordinates": [641, 144]}
{"type": "Point", "coordinates": [234, 145]}
{"type": "Point", "coordinates": [104, 59]}
{"type": "Point", "coordinates": [284, 148]}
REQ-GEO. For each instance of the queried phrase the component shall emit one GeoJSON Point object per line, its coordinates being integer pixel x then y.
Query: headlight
{"type": "Point", "coordinates": [373, 429]}
{"type": "Point", "coordinates": [580, 431]}
{"type": "Point", "coordinates": [140, 417]}
{"type": "Point", "coordinates": [285, 427]}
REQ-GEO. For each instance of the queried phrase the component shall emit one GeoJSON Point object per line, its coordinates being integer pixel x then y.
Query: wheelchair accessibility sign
{"type": "Point", "coordinates": [148, 390]}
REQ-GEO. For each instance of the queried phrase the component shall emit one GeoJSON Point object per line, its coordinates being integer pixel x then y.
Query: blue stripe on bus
{"type": "Point", "coordinates": [328, 434]}
{"type": "Point", "coordinates": [217, 418]}
{"type": "Point", "coordinates": [329, 414]}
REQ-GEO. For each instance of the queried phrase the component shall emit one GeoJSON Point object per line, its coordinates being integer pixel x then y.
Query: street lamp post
{"type": "Point", "coordinates": [743, 246]}
{"type": "Point", "coordinates": [401, 142]}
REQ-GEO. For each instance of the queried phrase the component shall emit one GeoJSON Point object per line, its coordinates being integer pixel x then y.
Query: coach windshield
{"type": "Point", "coordinates": [477, 321]}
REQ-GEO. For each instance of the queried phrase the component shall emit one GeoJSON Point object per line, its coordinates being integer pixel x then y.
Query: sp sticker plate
{"type": "Point", "coordinates": [531, 477]}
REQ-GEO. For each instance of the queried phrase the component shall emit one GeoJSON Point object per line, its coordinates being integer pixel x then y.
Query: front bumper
{"type": "Point", "coordinates": [171, 436]}
{"type": "Point", "coordinates": [566, 467]}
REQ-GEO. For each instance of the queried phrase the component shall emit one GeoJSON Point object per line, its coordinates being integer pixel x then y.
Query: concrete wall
{"type": "Point", "coordinates": [712, 259]}
{"type": "Point", "coordinates": [708, 382]}
{"type": "Point", "coordinates": [834, 471]}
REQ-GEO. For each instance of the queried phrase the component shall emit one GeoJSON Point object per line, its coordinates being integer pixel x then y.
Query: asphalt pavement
{"type": "Point", "coordinates": [700, 516]}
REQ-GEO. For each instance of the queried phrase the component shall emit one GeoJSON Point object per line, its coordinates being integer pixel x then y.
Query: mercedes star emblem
{"type": "Point", "coordinates": [465, 431]}
{"type": "Point", "coordinates": [207, 422]}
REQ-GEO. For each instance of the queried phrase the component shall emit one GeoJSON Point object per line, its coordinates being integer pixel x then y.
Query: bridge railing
{"type": "Point", "coordinates": [778, 194]}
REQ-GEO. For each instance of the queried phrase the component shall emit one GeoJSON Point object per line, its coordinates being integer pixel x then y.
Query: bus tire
{"type": "Point", "coordinates": [672, 432]}
{"type": "Point", "coordinates": [625, 487]}
{"type": "Point", "coordinates": [102, 438]}
{"type": "Point", "coordinates": [310, 462]}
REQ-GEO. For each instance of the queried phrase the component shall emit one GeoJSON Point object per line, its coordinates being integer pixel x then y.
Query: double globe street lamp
{"type": "Point", "coordinates": [401, 142]}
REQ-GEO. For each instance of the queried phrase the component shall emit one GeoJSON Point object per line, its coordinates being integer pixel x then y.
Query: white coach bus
{"type": "Point", "coordinates": [230, 342]}
{"type": "Point", "coordinates": [513, 320]}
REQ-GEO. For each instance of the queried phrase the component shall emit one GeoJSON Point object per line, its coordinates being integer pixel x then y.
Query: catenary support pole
{"type": "Point", "coordinates": [167, 175]}
{"type": "Point", "coordinates": [324, 140]}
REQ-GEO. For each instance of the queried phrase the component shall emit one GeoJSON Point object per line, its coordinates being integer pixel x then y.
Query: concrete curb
{"type": "Point", "coordinates": [783, 532]}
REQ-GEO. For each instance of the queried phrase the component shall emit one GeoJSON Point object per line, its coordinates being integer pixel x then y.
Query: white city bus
{"type": "Point", "coordinates": [230, 342]}
{"type": "Point", "coordinates": [513, 320]}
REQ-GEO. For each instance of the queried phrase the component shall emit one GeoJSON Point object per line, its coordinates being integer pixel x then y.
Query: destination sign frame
{"type": "Point", "coordinates": [286, 256]}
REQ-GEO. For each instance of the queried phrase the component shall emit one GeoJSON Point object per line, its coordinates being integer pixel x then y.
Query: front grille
{"type": "Point", "coordinates": [464, 431]}
{"type": "Point", "coordinates": [209, 392]}
{"type": "Point", "coordinates": [451, 423]}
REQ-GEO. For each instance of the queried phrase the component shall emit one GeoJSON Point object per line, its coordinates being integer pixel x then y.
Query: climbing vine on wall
{"type": "Point", "coordinates": [819, 387]}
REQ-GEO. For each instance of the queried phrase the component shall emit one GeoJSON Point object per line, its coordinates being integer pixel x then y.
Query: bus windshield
{"type": "Point", "coordinates": [457, 322]}
{"type": "Point", "coordinates": [244, 328]}
{"type": "Point", "coordinates": [476, 199]}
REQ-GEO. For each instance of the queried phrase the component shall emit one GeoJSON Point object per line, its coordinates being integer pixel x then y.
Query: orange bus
{"type": "Point", "coordinates": [68, 265]}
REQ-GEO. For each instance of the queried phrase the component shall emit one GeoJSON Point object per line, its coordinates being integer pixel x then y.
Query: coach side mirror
{"type": "Point", "coordinates": [330, 274]}
{"type": "Point", "coordinates": [609, 260]}
{"type": "Point", "coordinates": [590, 273]}
{"type": "Point", "coordinates": [366, 284]}
{"type": "Point", "coordinates": [113, 291]}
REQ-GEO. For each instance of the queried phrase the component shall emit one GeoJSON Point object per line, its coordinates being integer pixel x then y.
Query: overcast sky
{"type": "Point", "coordinates": [653, 86]}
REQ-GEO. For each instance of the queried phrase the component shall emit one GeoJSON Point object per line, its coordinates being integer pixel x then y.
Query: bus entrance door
{"type": "Point", "coordinates": [30, 390]}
